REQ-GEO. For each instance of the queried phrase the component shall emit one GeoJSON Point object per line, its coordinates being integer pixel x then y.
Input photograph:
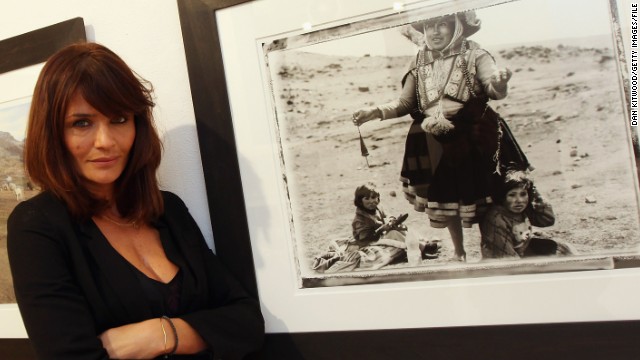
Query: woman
{"type": "Point", "coordinates": [457, 143]}
{"type": "Point", "coordinates": [105, 265]}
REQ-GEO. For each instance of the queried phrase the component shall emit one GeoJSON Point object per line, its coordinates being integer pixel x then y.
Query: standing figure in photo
{"type": "Point", "coordinates": [105, 265]}
{"type": "Point", "coordinates": [507, 226]}
{"type": "Point", "coordinates": [457, 145]}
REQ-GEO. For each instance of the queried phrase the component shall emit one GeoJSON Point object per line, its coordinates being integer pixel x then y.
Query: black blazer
{"type": "Point", "coordinates": [68, 291]}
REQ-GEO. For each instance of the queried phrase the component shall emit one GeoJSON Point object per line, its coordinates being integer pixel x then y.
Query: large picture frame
{"type": "Point", "coordinates": [220, 156]}
{"type": "Point", "coordinates": [16, 53]}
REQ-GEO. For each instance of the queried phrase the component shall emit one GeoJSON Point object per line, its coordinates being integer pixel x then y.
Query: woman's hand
{"type": "Point", "coordinates": [146, 340]}
{"type": "Point", "coordinates": [500, 78]}
{"type": "Point", "coordinates": [143, 340]}
{"type": "Point", "coordinates": [537, 200]}
{"type": "Point", "coordinates": [363, 115]}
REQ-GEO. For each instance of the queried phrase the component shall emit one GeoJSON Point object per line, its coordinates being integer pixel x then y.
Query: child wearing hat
{"type": "Point", "coordinates": [457, 145]}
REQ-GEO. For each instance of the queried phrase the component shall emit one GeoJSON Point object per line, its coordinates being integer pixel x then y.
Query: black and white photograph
{"type": "Point", "coordinates": [466, 142]}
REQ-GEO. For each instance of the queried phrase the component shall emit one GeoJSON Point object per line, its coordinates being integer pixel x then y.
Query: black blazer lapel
{"type": "Point", "coordinates": [187, 239]}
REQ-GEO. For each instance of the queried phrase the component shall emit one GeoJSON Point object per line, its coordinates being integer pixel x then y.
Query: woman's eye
{"type": "Point", "coordinates": [81, 123]}
{"type": "Point", "coordinates": [119, 120]}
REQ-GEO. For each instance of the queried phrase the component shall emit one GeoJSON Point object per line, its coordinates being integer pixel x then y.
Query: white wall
{"type": "Point", "coordinates": [147, 35]}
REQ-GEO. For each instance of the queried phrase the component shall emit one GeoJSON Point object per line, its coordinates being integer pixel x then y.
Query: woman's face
{"type": "Point", "coordinates": [439, 33]}
{"type": "Point", "coordinates": [371, 202]}
{"type": "Point", "coordinates": [99, 145]}
{"type": "Point", "coordinates": [516, 200]}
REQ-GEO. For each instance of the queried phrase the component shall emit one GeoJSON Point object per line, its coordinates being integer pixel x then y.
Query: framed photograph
{"type": "Point", "coordinates": [275, 97]}
{"type": "Point", "coordinates": [21, 59]}
{"type": "Point", "coordinates": [320, 78]}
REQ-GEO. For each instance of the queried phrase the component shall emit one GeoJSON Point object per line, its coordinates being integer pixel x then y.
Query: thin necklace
{"type": "Point", "coordinates": [127, 224]}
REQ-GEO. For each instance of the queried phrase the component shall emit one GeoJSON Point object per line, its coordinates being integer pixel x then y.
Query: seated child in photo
{"type": "Point", "coordinates": [376, 241]}
{"type": "Point", "coordinates": [506, 228]}
{"type": "Point", "coordinates": [370, 222]}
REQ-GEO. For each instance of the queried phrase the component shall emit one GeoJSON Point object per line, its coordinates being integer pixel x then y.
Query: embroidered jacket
{"type": "Point", "coordinates": [434, 74]}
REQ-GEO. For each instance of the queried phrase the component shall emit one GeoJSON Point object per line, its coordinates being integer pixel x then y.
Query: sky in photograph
{"type": "Point", "coordinates": [13, 117]}
{"type": "Point", "coordinates": [515, 22]}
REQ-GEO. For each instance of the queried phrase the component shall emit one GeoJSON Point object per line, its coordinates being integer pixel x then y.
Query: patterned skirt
{"type": "Point", "coordinates": [454, 175]}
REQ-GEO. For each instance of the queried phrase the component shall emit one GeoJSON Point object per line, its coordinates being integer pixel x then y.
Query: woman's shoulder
{"type": "Point", "coordinates": [472, 45]}
{"type": "Point", "coordinates": [414, 61]}
{"type": "Point", "coordinates": [173, 204]}
{"type": "Point", "coordinates": [44, 213]}
{"type": "Point", "coordinates": [171, 198]}
{"type": "Point", "coordinates": [477, 50]}
{"type": "Point", "coordinates": [45, 203]}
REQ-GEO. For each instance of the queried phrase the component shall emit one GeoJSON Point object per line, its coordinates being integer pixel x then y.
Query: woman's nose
{"type": "Point", "coordinates": [104, 136]}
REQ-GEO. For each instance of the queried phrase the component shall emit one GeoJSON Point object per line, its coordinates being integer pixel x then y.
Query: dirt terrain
{"type": "Point", "coordinates": [564, 107]}
{"type": "Point", "coordinates": [7, 203]}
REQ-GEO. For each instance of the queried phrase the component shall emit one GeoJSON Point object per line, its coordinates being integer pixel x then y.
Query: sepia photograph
{"type": "Point", "coordinates": [431, 145]}
{"type": "Point", "coordinates": [14, 185]}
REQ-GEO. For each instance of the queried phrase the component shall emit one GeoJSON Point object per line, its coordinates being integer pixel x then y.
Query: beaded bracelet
{"type": "Point", "coordinates": [175, 337]}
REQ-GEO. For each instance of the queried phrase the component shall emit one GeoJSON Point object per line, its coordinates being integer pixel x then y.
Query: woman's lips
{"type": "Point", "coordinates": [104, 161]}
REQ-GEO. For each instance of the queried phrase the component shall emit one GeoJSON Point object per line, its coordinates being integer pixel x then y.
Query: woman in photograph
{"type": "Point", "coordinates": [507, 227]}
{"type": "Point", "coordinates": [456, 144]}
{"type": "Point", "coordinates": [106, 265]}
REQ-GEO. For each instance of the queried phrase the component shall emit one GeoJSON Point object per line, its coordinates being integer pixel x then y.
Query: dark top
{"type": "Point", "coordinates": [164, 299]}
{"type": "Point", "coordinates": [70, 288]}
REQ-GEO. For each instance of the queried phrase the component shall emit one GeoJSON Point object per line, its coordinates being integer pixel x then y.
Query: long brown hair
{"type": "Point", "coordinates": [106, 82]}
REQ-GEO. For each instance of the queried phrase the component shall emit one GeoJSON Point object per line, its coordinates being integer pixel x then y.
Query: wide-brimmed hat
{"type": "Point", "coordinates": [468, 19]}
